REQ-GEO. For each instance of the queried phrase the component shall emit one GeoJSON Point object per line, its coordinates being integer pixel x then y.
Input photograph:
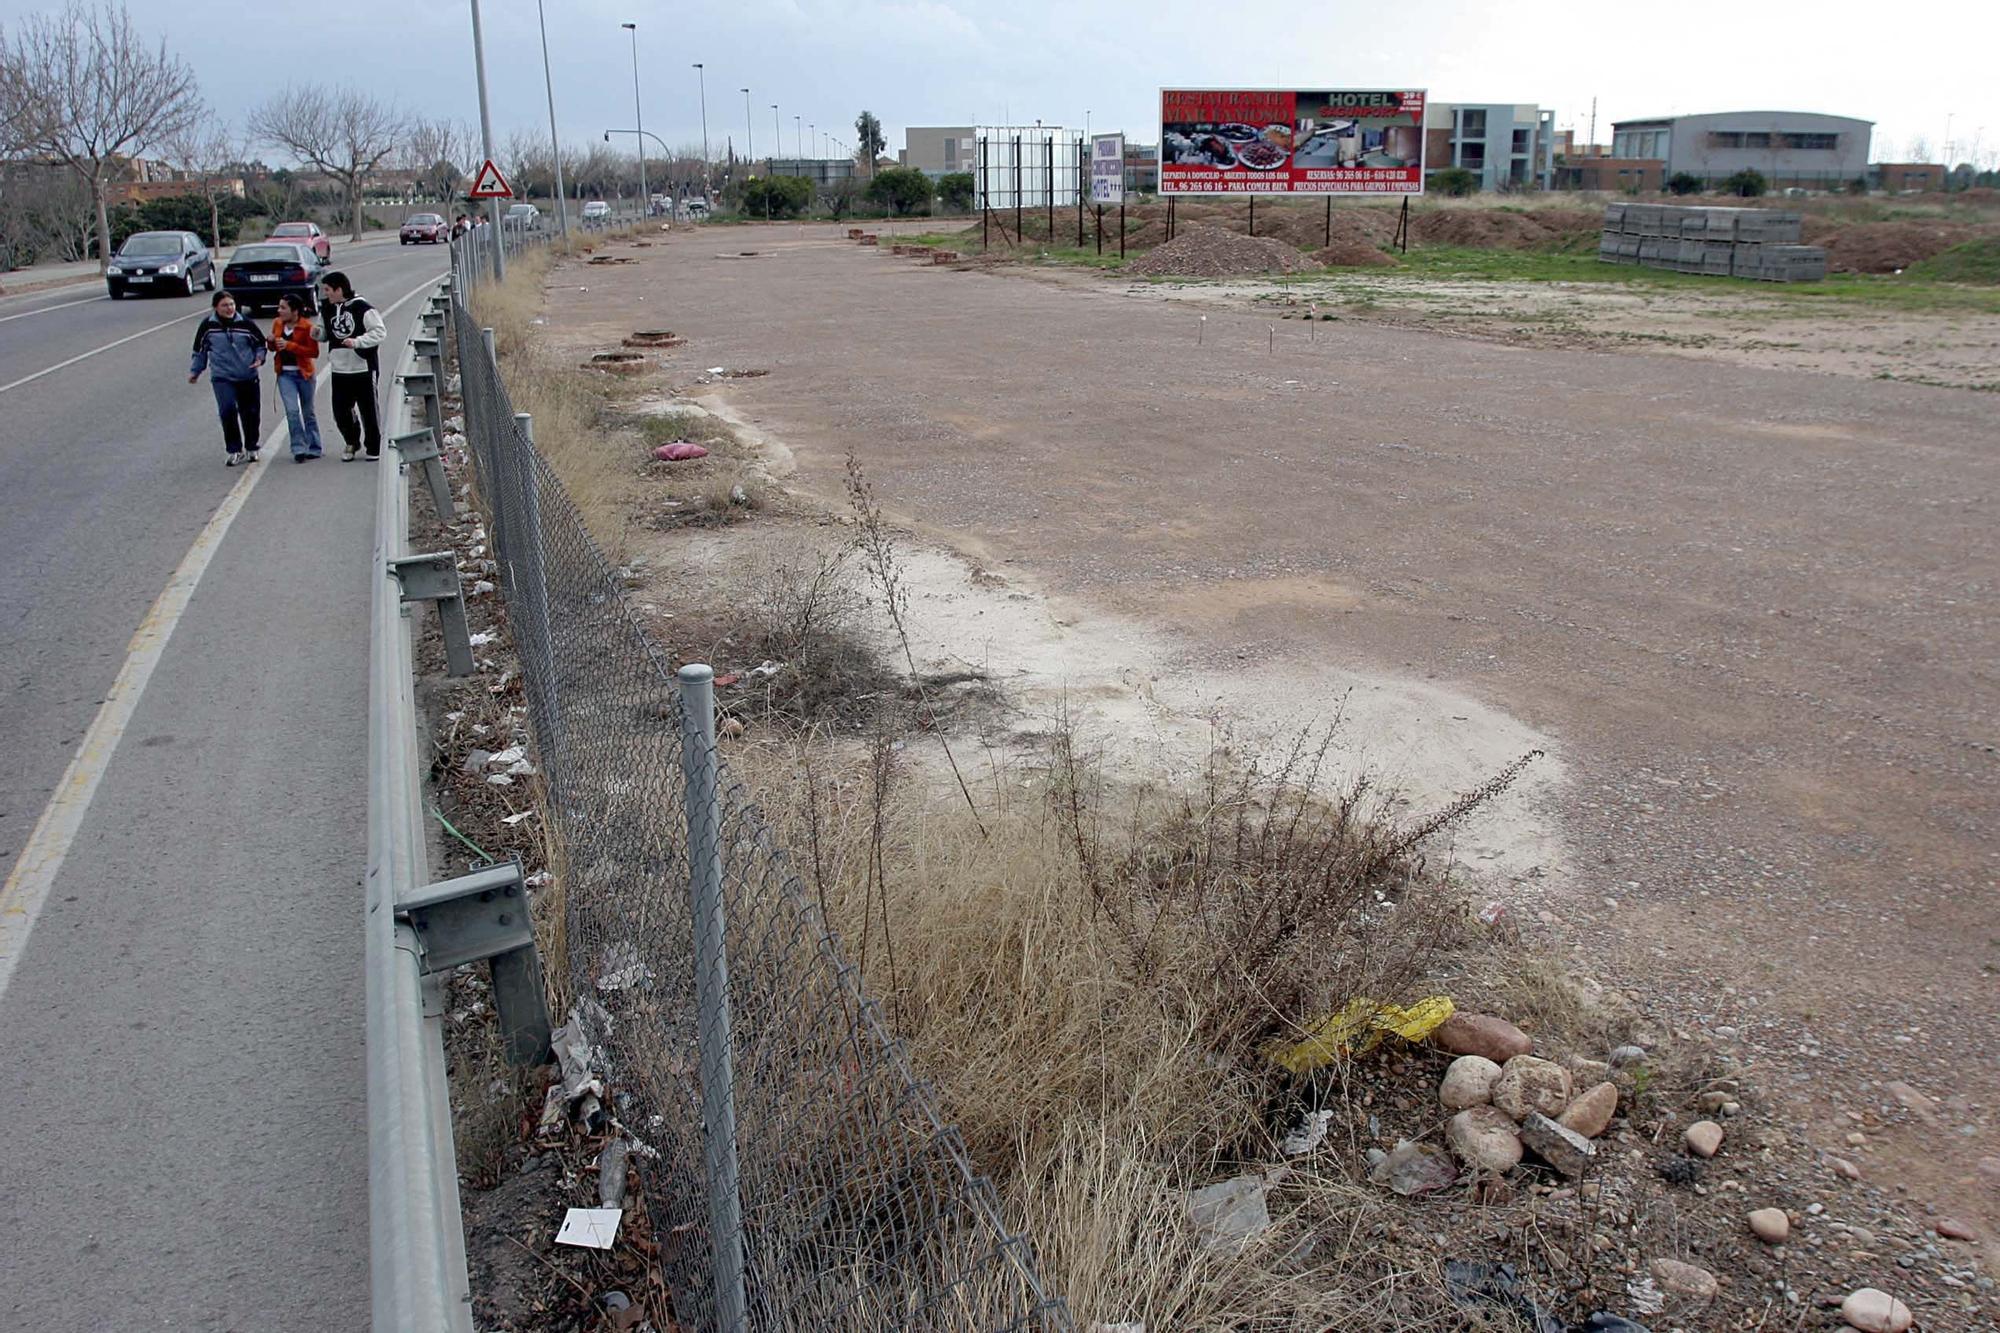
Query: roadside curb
{"type": "Point", "coordinates": [48, 285]}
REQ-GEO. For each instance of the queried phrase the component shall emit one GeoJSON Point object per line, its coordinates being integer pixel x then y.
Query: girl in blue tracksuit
{"type": "Point", "coordinates": [230, 346]}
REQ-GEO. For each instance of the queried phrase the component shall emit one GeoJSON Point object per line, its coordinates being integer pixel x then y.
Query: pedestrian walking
{"type": "Point", "coordinates": [230, 347]}
{"type": "Point", "coordinates": [352, 329]}
{"type": "Point", "coordinates": [294, 350]}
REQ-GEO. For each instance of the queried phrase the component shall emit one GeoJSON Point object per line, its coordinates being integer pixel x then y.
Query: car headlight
{"type": "Point", "coordinates": [114, 272]}
{"type": "Point", "coordinates": [170, 268]}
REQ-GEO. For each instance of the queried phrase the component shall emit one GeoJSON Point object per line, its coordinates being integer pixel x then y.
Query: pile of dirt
{"type": "Point", "coordinates": [1351, 252]}
{"type": "Point", "coordinates": [1503, 229]}
{"type": "Point", "coordinates": [1889, 247]}
{"type": "Point", "coordinates": [1211, 252]}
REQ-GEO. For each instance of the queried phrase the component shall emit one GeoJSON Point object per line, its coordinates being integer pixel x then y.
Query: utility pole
{"type": "Point", "coordinates": [749, 135]}
{"type": "Point", "coordinates": [701, 81]}
{"type": "Point", "coordinates": [486, 140]}
{"type": "Point", "coordinates": [639, 119]}
{"type": "Point", "coordinates": [777, 138]}
{"type": "Point", "coordinates": [555, 141]}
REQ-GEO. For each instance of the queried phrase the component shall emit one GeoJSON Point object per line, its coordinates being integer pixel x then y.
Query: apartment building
{"type": "Point", "coordinates": [1508, 146]}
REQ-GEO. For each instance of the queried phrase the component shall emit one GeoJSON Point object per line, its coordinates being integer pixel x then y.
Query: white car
{"type": "Point", "coordinates": [596, 211]}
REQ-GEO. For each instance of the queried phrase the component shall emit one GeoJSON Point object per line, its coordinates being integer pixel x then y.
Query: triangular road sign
{"type": "Point", "coordinates": [490, 184]}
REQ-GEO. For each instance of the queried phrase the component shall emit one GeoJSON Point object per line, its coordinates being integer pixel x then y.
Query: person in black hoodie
{"type": "Point", "coordinates": [230, 347]}
{"type": "Point", "coordinates": [351, 330]}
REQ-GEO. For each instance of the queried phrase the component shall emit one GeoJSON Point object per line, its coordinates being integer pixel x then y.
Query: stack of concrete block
{"type": "Point", "coordinates": [1759, 243]}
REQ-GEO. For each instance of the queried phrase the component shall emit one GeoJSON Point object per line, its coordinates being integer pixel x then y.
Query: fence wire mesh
{"type": "Point", "coordinates": [859, 1206]}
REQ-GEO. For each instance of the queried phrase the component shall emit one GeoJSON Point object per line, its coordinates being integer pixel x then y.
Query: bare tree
{"type": "Point", "coordinates": [346, 134]}
{"type": "Point", "coordinates": [83, 88]}
{"type": "Point", "coordinates": [212, 158]}
{"type": "Point", "coordinates": [435, 152]}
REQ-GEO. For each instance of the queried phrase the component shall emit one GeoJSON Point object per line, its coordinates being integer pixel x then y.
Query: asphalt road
{"type": "Point", "coordinates": [185, 1095]}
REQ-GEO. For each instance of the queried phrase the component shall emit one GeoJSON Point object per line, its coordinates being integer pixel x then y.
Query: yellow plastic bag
{"type": "Point", "coordinates": [1357, 1029]}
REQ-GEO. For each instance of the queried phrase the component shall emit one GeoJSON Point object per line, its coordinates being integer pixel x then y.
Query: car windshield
{"type": "Point", "coordinates": [151, 243]}
{"type": "Point", "coordinates": [254, 254]}
{"type": "Point", "coordinates": [293, 229]}
{"type": "Point", "coordinates": [426, 220]}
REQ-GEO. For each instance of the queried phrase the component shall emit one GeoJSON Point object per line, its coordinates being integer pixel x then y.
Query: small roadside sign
{"type": "Point", "coordinates": [490, 184]}
{"type": "Point", "coordinates": [1107, 169]}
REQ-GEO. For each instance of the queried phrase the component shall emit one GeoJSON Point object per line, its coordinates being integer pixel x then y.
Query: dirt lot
{"type": "Point", "coordinates": [1746, 610]}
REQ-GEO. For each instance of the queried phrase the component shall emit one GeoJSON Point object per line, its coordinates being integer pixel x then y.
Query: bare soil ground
{"type": "Point", "coordinates": [1744, 609]}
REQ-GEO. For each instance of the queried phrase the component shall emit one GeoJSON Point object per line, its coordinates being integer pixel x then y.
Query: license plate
{"type": "Point", "coordinates": [263, 277]}
{"type": "Point", "coordinates": [140, 277]}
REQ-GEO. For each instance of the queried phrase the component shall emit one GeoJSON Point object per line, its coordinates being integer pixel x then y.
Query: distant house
{"type": "Point", "coordinates": [1788, 148]}
{"type": "Point", "coordinates": [937, 150]}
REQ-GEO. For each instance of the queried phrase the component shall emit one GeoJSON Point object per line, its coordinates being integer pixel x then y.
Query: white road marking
{"type": "Point", "coordinates": [182, 318]}
{"type": "Point", "coordinates": [34, 873]}
{"type": "Point", "coordinates": [47, 308]}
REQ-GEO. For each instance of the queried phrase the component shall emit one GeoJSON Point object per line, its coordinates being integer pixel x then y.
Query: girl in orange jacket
{"type": "Point", "coordinates": [293, 349]}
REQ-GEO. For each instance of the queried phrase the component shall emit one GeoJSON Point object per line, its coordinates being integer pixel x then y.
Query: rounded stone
{"type": "Point", "coordinates": [1703, 1138]}
{"type": "Point", "coordinates": [1683, 1279]}
{"type": "Point", "coordinates": [1771, 1225]}
{"type": "Point", "coordinates": [1468, 1082]}
{"type": "Point", "coordinates": [1528, 1084]}
{"type": "Point", "coordinates": [1875, 1311]}
{"type": "Point", "coordinates": [1482, 1034]}
{"type": "Point", "coordinates": [1484, 1138]}
{"type": "Point", "coordinates": [1591, 1112]}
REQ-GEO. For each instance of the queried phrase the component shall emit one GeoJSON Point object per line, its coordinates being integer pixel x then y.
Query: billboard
{"type": "Point", "coordinates": [1107, 169]}
{"type": "Point", "coordinates": [1281, 141]}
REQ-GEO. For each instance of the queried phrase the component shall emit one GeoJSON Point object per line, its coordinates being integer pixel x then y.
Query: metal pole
{"type": "Point", "coordinates": [1018, 238]}
{"type": "Point", "coordinates": [639, 119]}
{"type": "Point", "coordinates": [1121, 228]}
{"type": "Point", "coordinates": [555, 140]}
{"type": "Point", "coordinates": [749, 136]}
{"type": "Point", "coordinates": [486, 142]}
{"type": "Point", "coordinates": [711, 977]}
{"type": "Point", "coordinates": [701, 82]}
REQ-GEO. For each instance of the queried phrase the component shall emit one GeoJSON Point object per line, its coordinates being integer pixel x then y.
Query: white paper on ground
{"type": "Point", "coordinates": [592, 1228]}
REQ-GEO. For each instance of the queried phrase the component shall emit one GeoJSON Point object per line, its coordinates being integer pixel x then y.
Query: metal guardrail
{"type": "Point", "coordinates": [416, 1236]}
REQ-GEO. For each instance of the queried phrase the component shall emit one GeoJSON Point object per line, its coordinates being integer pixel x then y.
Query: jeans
{"type": "Point", "coordinates": [238, 402]}
{"type": "Point", "coordinates": [354, 396]}
{"type": "Point", "coordinates": [296, 392]}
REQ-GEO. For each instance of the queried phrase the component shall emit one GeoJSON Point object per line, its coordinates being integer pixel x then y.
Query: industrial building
{"type": "Point", "coordinates": [938, 150]}
{"type": "Point", "coordinates": [1509, 146]}
{"type": "Point", "coordinates": [1789, 148]}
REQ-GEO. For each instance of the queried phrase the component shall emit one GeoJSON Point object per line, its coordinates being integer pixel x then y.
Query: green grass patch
{"type": "Point", "coordinates": [1975, 262]}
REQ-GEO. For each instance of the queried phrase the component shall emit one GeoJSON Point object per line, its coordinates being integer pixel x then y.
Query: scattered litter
{"type": "Point", "coordinates": [1359, 1027]}
{"type": "Point", "coordinates": [517, 818]}
{"type": "Point", "coordinates": [591, 1228]}
{"type": "Point", "coordinates": [1472, 1282]}
{"type": "Point", "coordinates": [481, 587]}
{"type": "Point", "coordinates": [513, 754]}
{"type": "Point", "coordinates": [1415, 1168]}
{"type": "Point", "coordinates": [474, 761]}
{"type": "Point", "coordinates": [499, 780]}
{"type": "Point", "coordinates": [1308, 1134]}
{"type": "Point", "coordinates": [481, 729]}
{"type": "Point", "coordinates": [717, 370]}
{"type": "Point", "coordinates": [680, 451]}
{"type": "Point", "coordinates": [765, 669]}
{"type": "Point", "coordinates": [611, 1160]}
{"type": "Point", "coordinates": [727, 679]}
{"type": "Point", "coordinates": [1230, 1212]}
{"type": "Point", "coordinates": [1135, 1326]}
{"type": "Point", "coordinates": [621, 968]}
{"type": "Point", "coordinates": [1492, 912]}
{"type": "Point", "coordinates": [1647, 1298]}
{"type": "Point", "coordinates": [454, 717]}
{"type": "Point", "coordinates": [539, 879]}
{"type": "Point", "coordinates": [521, 768]}
{"type": "Point", "coordinates": [484, 637]}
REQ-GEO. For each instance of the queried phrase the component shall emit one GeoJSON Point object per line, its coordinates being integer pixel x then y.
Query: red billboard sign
{"type": "Point", "coordinates": [1278, 141]}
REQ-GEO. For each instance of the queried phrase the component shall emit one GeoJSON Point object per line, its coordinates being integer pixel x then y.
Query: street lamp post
{"type": "Point", "coordinates": [777, 138]}
{"type": "Point", "coordinates": [486, 139]}
{"type": "Point", "coordinates": [749, 134]}
{"type": "Point", "coordinates": [701, 82]}
{"type": "Point", "coordinates": [555, 140]}
{"type": "Point", "coordinates": [639, 118]}
{"type": "Point", "coordinates": [799, 140]}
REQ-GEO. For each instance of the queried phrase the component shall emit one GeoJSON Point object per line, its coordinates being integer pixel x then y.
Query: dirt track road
{"type": "Point", "coordinates": [1754, 608]}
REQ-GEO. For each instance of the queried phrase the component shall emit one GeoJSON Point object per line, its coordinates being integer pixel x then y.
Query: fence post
{"type": "Point", "coordinates": [711, 979]}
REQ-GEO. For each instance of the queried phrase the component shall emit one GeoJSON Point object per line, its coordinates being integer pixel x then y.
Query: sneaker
{"type": "Point", "coordinates": [300, 458]}
{"type": "Point", "coordinates": [250, 456]}
{"type": "Point", "coordinates": [352, 453]}
{"type": "Point", "coordinates": [232, 460]}
{"type": "Point", "coordinates": [377, 454]}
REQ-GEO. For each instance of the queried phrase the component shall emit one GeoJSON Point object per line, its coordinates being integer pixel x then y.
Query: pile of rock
{"type": "Point", "coordinates": [1509, 1102]}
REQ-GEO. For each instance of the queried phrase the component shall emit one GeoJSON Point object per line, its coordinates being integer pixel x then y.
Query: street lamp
{"type": "Point", "coordinates": [777, 138]}
{"type": "Point", "coordinates": [701, 81]}
{"type": "Point", "coordinates": [749, 134]}
{"type": "Point", "coordinates": [486, 140]}
{"type": "Point", "coordinates": [799, 140]}
{"type": "Point", "coordinates": [555, 140]}
{"type": "Point", "coordinates": [645, 199]}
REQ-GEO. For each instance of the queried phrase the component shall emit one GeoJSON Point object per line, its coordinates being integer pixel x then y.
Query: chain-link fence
{"type": "Point", "coordinates": [858, 1206]}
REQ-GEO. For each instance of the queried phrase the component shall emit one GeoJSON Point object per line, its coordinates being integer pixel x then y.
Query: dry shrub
{"type": "Point", "coordinates": [1090, 975]}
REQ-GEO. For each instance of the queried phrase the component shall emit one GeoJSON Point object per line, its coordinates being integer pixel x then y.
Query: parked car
{"type": "Point", "coordinates": [524, 216]}
{"type": "Point", "coordinates": [425, 228]}
{"type": "Point", "coordinates": [694, 210]}
{"type": "Point", "coordinates": [169, 261]}
{"type": "Point", "coordinates": [257, 275]}
{"type": "Point", "coordinates": [307, 234]}
{"type": "Point", "coordinates": [596, 211]}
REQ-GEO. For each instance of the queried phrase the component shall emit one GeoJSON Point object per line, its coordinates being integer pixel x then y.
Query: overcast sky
{"type": "Point", "coordinates": [929, 62]}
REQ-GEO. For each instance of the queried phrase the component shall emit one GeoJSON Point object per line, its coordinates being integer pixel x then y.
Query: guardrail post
{"type": "Point", "coordinates": [434, 578]}
{"type": "Point", "coordinates": [485, 917]}
{"type": "Point", "coordinates": [425, 386]}
{"type": "Point", "coordinates": [711, 979]}
{"type": "Point", "coordinates": [421, 446]}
